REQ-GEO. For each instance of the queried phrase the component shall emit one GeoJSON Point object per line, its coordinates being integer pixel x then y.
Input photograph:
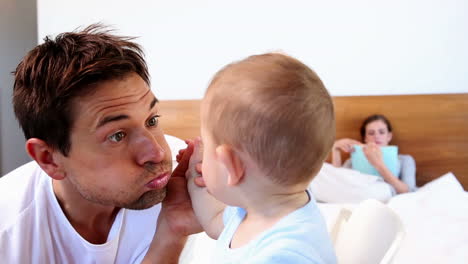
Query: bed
{"type": "Point", "coordinates": [432, 128]}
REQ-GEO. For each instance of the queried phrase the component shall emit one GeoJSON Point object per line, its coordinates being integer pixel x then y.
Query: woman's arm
{"type": "Point", "coordinates": [408, 171]}
{"type": "Point", "coordinates": [345, 145]}
{"type": "Point", "coordinates": [336, 157]}
{"type": "Point", "coordinates": [374, 156]}
{"type": "Point", "coordinates": [388, 176]}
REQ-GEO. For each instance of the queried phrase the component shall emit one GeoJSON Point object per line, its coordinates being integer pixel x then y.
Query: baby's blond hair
{"type": "Point", "coordinates": [275, 109]}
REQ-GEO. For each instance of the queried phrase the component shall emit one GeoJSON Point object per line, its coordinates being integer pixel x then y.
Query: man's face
{"type": "Point", "coordinates": [118, 154]}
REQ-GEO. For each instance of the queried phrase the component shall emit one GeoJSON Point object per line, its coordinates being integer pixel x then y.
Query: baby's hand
{"type": "Point", "coordinates": [199, 181]}
{"type": "Point", "coordinates": [182, 151]}
{"type": "Point", "coordinates": [195, 165]}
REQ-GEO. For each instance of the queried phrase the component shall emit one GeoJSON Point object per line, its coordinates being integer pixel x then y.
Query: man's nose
{"type": "Point", "coordinates": [147, 149]}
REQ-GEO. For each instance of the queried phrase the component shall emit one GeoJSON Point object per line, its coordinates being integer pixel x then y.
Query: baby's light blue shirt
{"type": "Point", "coordinates": [300, 237]}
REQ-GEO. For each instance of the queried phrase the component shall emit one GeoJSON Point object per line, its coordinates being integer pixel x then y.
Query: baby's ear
{"type": "Point", "coordinates": [233, 163]}
{"type": "Point", "coordinates": [46, 157]}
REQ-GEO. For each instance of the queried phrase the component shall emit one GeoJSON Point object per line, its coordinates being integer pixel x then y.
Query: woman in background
{"type": "Point", "coordinates": [376, 132]}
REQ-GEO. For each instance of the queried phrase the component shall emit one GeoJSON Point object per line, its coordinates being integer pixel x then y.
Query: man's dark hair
{"type": "Point", "coordinates": [54, 73]}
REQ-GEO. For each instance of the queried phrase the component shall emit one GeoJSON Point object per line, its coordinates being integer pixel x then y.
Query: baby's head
{"type": "Point", "coordinates": [275, 110]}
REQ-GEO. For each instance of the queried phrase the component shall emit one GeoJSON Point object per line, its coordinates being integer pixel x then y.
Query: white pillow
{"type": "Point", "coordinates": [436, 220]}
{"type": "Point", "coordinates": [342, 185]}
{"type": "Point", "coordinates": [175, 144]}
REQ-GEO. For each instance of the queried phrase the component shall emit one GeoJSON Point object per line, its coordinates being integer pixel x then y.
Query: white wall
{"type": "Point", "coordinates": [18, 25]}
{"type": "Point", "coordinates": [361, 47]}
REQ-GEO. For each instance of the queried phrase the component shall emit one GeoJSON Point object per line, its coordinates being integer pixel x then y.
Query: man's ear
{"type": "Point", "coordinates": [233, 163]}
{"type": "Point", "coordinates": [43, 154]}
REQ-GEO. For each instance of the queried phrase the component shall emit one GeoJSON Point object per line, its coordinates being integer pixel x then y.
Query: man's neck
{"type": "Point", "coordinates": [91, 220]}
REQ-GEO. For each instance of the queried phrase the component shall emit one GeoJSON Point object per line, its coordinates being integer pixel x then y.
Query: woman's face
{"type": "Point", "coordinates": [377, 132]}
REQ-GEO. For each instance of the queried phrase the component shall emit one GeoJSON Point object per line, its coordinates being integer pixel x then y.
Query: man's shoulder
{"type": "Point", "coordinates": [18, 190]}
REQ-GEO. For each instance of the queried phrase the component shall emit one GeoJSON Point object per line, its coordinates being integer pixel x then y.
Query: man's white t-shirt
{"type": "Point", "coordinates": [34, 229]}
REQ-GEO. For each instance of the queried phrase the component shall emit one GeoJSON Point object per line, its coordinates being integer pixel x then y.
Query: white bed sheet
{"type": "Point", "coordinates": [435, 218]}
{"type": "Point", "coordinates": [343, 185]}
{"type": "Point", "coordinates": [436, 222]}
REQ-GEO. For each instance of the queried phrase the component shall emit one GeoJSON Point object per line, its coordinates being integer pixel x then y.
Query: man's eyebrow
{"type": "Point", "coordinates": [153, 103]}
{"type": "Point", "coordinates": [114, 118]}
{"type": "Point", "coordinates": [111, 118]}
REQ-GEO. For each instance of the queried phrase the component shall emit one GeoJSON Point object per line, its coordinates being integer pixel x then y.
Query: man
{"type": "Point", "coordinates": [101, 164]}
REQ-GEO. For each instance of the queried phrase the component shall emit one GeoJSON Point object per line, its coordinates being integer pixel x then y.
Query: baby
{"type": "Point", "coordinates": [267, 125]}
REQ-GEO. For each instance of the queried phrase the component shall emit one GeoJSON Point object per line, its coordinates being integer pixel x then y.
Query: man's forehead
{"type": "Point", "coordinates": [132, 88]}
{"type": "Point", "coordinates": [114, 96]}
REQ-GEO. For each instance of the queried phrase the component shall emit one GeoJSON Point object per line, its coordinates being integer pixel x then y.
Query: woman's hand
{"type": "Point", "coordinates": [373, 154]}
{"type": "Point", "coordinates": [346, 145]}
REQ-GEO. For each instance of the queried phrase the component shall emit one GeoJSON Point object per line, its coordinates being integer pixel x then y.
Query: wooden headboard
{"type": "Point", "coordinates": [432, 128]}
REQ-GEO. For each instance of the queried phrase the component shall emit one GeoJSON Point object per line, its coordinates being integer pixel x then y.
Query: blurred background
{"type": "Point", "coordinates": [361, 47]}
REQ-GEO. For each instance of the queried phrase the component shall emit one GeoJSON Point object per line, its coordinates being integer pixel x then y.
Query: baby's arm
{"type": "Point", "coordinates": [208, 210]}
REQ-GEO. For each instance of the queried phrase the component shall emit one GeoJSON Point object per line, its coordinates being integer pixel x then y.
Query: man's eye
{"type": "Point", "coordinates": [117, 137]}
{"type": "Point", "coordinates": [153, 121]}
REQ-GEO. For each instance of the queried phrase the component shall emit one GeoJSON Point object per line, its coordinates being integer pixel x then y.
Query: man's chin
{"type": "Point", "coordinates": [147, 200]}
